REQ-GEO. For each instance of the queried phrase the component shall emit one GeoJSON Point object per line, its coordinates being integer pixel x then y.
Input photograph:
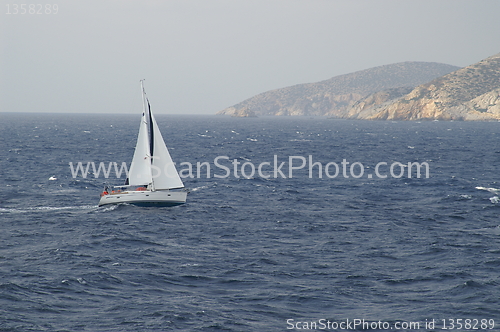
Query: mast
{"type": "Point", "coordinates": [143, 93]}
{"type": "Point", "coordinates": [149, 122]}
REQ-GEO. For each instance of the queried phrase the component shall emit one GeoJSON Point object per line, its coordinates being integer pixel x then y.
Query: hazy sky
{"type": "Point", "coordinates": [200, 56]}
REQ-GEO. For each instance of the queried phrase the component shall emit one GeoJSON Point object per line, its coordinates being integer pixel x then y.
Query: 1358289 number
{"type": "Point", "coordinates": [32, 9]}
{"type": "Point", "coordinates": [467, 324]}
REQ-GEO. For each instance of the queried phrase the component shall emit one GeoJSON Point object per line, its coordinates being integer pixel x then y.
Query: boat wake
{"type": "Point", "coordinates": [47, 209]}
{"type": "Point", "coordinates": [107, 208]}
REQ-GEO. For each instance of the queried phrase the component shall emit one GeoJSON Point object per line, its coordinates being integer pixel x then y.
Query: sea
{"type": "Point", "coordinates": [252, 249]}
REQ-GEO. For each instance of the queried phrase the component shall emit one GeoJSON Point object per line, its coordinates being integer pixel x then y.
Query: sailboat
{"type": "Point", "coordinates": [152, 178]}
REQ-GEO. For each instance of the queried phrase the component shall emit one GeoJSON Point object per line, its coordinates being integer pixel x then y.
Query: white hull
{"type": "Point", "coordinates": [159, 197]}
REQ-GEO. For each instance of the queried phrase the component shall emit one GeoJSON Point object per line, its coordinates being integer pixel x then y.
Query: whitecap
{"type": "Point", "coordinates": [198, 188]}
{"type": "Point", "coordinates": [491, 190]}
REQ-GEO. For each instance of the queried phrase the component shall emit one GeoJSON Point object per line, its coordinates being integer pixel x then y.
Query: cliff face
{"type": "Point", "coordinates": [244, 112]}
{"type": "Point", "coordinates": [365, 105]}
{"type": "Point", "coordinates": [337, 96]}
{"type": "Point", "coordinates": [470, 93]}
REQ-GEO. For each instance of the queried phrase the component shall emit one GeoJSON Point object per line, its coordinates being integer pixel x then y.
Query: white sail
{"type": "Point", "coordinates": [164, 173]}
{"type": "Point", "coordinates": [140, 170]}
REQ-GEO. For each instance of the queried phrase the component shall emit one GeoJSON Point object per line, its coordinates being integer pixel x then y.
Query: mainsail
{"type": "Point", "coordinates": [140, 170]}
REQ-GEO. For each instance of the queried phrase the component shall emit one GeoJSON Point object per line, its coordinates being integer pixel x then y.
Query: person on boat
{"type": "Point", "coordinates": [105, 191]}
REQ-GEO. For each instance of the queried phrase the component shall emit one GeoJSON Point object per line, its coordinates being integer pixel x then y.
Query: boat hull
{"type": "Point", "coordinates": [145, 198]}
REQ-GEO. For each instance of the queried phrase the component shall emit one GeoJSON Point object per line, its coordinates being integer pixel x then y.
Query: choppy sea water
{"type": "Point", "coordinates": [257, 254]}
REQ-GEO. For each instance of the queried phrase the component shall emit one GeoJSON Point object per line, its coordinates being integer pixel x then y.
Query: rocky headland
{"type": "Point", "coordinates": [336, 96]}
{"type": "Point", "coordinates": [470, 93]}
{"type": "Point", "coordinates": [402, 91]}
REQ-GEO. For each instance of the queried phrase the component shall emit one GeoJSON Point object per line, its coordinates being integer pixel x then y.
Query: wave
{"type": "Point", "coordinates": [495, 191]}
{"type": "Point", "coordinates": [299, 140]}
